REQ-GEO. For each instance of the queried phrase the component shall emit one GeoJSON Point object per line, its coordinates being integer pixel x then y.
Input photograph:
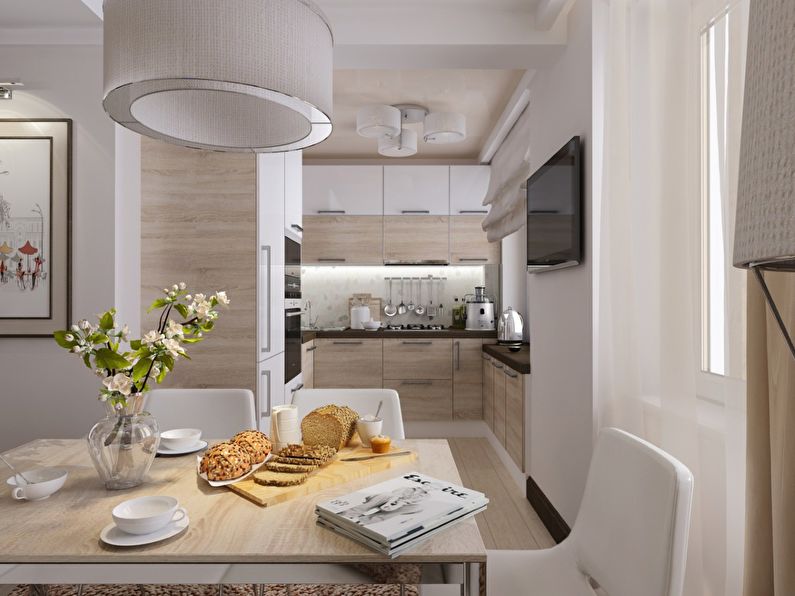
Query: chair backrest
{"type": "Point", "coordinates": [364, 401]}
{"type": "Point", "coordinates": [219, 413]}
{"type": "Point", "coordinates": [631, 533]}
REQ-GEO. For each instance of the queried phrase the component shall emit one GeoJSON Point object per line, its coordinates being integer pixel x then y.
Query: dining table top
{"type": "Point", "coordinates": [224, 527]}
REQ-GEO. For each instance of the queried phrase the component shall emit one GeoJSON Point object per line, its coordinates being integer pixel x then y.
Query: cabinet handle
{"type": "Point", "coordinates": [331, 211]}
{"type": "Point", "coordinates": [297, 227]}
{"type": "Point", "coordinates": [416, 382]}
{"type": "Point", "coordinates": [469, 211]}
{"type": "Point", "coordinates": [495, 365]}
{"type": "Point", "coordinates": [267, 412]}
{"type": "Point", "coordinates": [331, 260]}
{"type": "Point", "coordinates": [415, 211]}
{"type": "Point", "coordinates": [472, 260]}
{"type": "Point", "coordinates": [512, 375]}
{"type": "Point", "coordinates": [311, 349]}
{"type": "Point", "coordinates": [347, 343]}
{"type": "Point", "coordinates": [266, 249]}
{"type": "Point", "coordinates": [457, 346]}
{"type": "Point", "coordinates": [417, 343]}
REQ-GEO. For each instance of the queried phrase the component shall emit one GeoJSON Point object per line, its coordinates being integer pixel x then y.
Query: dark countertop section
{"type": "Point", "coordinates": [518, 361]}
{"type": "Point", "coordinates": [384, 333]}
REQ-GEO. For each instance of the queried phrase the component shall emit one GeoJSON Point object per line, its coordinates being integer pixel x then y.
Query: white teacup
{"type": "Point", "coordinates": [180, 438]}
{"type": "Point", "coordinates": [41, 483]}
{"type": "Point", "coordinates": [368, 427]}
{"type": "Point", "coordinates": [145, 515]}
{"type": "Point", "coordinates": [285, 427]}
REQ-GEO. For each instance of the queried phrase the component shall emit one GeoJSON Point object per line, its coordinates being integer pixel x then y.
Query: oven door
{"type": "Point", "coordinates": [292, 343]}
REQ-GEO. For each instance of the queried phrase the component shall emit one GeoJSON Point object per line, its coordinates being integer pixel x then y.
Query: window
{"type": "Point", "coordinates": [722, 286]}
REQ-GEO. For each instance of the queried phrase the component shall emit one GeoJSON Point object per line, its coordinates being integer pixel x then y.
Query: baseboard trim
{"type": "Point", "coordinates": [554, 522]}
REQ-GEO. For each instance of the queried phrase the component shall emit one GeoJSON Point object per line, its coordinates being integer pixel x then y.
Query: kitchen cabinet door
{"type": "Point", "coordinates": [468, 243]}
{"type": "Point", "coordinates": [467, 379]}
{"type": "Point", "coordinates": [270, 389]}
{"type": "Point", "coordinates": [416, 190]}
{"type": "Point", "coordinates": [468, 186]}
{"type": "Point", "coordinates": [424, 399]}
{"type": "Point", "coordinates": [514, 416]}
{"type": "Point", "coordinates": [418, 359]}
{"type": "Point", "coordinates": [488, 392]}
{"type": "Point", "coordinates": [499, 402]}
{"type": "Point", "coordinates": [308, 363]}
{"type": "Point", "coordinates": [293, 193]}
{"type": "Point", "coordinates": [343, 240]}
{"type": "Point", "coordinates": [422, 239]}
{"type": "Point", "coordinates": [343, 190]}
{"type": "Point", "coordinates": [348, 363]}
{"type": "Point", "coordinates": [270, 256]}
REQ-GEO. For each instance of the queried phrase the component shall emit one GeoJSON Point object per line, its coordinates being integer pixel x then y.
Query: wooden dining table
{"type": "Point", "coordinates": [229, 539]}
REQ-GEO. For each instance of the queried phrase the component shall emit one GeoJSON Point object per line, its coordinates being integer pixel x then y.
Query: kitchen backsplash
{"type": "Point", "coordinates": [329, 288]}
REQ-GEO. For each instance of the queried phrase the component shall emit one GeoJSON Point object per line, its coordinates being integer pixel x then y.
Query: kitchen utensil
{"type": "Point", "coordinates": [389, 309]}
{"type": "Point", "coordinates": [146, 515]}
{"type": "Point", "coordinates": [420, 309]}
{"type": "Point", "coordinates": [411, 304]}
{"type": "Point", "coordinates": [431, 307]}
{"type": "Point", "coordinates": [285, 426]}
{"type": "Point", "coordinates": [10, 467]}
{"type": "Point", "coordinates": [510, 329]}
{"type": "Point", "coordinates": [479, 311]}
{"type": "Point", "coordinates": [37, 485]}
{"type": "Point", "coordinates": [369, 427]}
{"type": "Point", "coordinates": [178, 439]}
{"type": "Point", "coordinates": [401, 307]}
{"type": "Point", "coordinates": [113, 535]}
{"type": "Point", "coordinates": [378, 410]}
{"type": "Point", "coordinates": [362, 458]}
{"type": "Point", "coordinates": [359, 314]}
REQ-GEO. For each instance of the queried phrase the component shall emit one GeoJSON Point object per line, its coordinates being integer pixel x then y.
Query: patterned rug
{"type": "Point", "coordinates": [228, 590]}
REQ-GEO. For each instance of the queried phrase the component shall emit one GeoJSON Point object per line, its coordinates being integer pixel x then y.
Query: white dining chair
{"type": "Point", "coordinates": [629, 539]}
{"type": "Point", "coordinates": [219, 413]}
{"type": "Point", "coordinates": [364, 401]}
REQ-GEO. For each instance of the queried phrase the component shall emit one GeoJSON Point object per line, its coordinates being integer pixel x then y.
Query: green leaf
{"type": "Point", "coordinates": [182, 310]}
{"type": "Point", "coordinates": [87, 360]}
{"type": "Point", "coordinates": [162, 375]}
{"type": "Point", "coordinates": [192, 340]}
{"type": "Point", "coordinates": [109, 359]}
{"type": "Point", "coordinates": [140, 369]}
{"type": "Point", "coordinates": [135, 344]}
{"type": "Point", "coordinates": [159, 303]}
{"type": "Point", "coordinates": [106, 321]}
{"type": "Point", "coordinates": [60, 339]}
{"type": "Point", "coordinates": [98, 338]}
{"type": "Point", "coordinates": [167, 361]}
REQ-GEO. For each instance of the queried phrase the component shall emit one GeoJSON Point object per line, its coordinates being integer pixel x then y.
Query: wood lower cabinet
{"type": "Point", "coordinates": [468, 243]}
{"type": "Point", "coordinates": [488, 392]}
{"type": "Point", "coordinates": [348, 363]}
{"type": "Point", "coordinates": [416, 239]}
{"type": "Point", "coordinates": [308, 363]}
{"type": "Point", "coordinates": [424, 399]}
{"type": "Point", "coordinates": [499, 402]}
{"type": "Point", "coordinates": [418, 359]}
{"type": "Point", "coordinates": [467, 379]}
{"type": "Point", "coordinates": [343, 240]}
{"type": "Point", "coordinates": [514, 416]}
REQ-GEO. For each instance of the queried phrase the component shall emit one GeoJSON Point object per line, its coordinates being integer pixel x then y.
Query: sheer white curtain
{"type": "Point", "coordinates": [648, 264]}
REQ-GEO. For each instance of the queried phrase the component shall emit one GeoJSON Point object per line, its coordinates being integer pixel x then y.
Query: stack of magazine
{"type": "Point", "coordinates": [393, 516]}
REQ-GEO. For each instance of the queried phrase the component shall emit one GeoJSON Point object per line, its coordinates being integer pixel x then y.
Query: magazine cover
{"type": "Point", "coordinates": [393, 508]}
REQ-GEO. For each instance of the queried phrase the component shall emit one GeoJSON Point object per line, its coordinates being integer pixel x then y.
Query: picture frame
{"type": "Point", "coordinates": [35, 226]}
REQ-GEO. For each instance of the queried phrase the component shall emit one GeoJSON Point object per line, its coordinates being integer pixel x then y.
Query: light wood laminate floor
{"type": "Point", "coordinates": [509, 522]}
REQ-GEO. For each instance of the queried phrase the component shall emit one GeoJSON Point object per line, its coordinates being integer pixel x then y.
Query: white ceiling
{"type": "Point", "coordinates": [46, 14]}
{"type": "Point", "coordinates": [480, 95]}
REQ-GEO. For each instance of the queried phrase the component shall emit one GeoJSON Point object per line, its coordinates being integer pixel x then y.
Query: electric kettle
{"type": "Point", "coordinates": [510, 329]}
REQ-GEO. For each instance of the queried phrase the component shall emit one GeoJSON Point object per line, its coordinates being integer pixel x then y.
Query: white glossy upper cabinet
{"type": "Point", "coordinates": [270, 254]}
{"type": "Point", "coordinates": [468, 186]}
{"type": "Point", "coordinates": [416, 190]}
{"type": "Point", "coordinates": [343, 190]}
{"type": "Point", "coordinates": [293, 194]}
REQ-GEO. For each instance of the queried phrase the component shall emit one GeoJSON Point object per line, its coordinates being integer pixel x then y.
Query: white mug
{"type": "Point", "coordinates": [368, 429]}
{"type": "Point", "coordinates": [285, 428]}
{"type": "Point", "coordinates": [145, 515]}
{"type": "Point", "coordinates": [42, 483]}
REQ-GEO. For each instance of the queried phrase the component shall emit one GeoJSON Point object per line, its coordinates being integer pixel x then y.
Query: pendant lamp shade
{"type": "Point", "coordinates": [765, 224]}
{"type": "Point", "coordinates": [403, 145]}
{"type": "Point", "coordinates": [375, 121]}
{"type": "Point", "coordinates": [242, 75]}
{"type": "Point", "coordinates": [444, 127]}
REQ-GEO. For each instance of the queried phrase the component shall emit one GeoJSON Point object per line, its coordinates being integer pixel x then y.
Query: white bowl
{"type": "Point", "coordinates": [43, 482]}
{"type": "Point", "coordinates": [145, 515]}
{"type": "Point", "coordinates": [180, 438]}
{"type": "Point", "coordinates": [371, 324]}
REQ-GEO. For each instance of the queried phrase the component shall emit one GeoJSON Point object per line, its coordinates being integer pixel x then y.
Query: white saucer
{"type": "Point", "coordinates": [192, 449]}
{"type": "Point", "coordinates": [115, 537]}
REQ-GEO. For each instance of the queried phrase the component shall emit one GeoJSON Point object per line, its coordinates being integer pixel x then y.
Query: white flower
{"type": "Point", "coordinates": [172, 345]}
{"type": "Point", "coordinates": [182, 285]}
{"type": "Point", "coordinates": [85, 325]}
{"type": "Point", "coordinates": [166, 290]}
{"type": "Point", "coordinates": [75, 328]}
{"type": "Point", "coordinates": [173, 329]}
{"type": "Point", "coordinates": [155, 370]}
{"type": "Point", "coordinates": [119, 382]}
{"type": "Point", "coordinates": [125, 332]}
{"type": "Point", "coordinates": [198, 298]}
{"type": "Point", "coordinates": [103, 397]}
{"type": "Point", "coordinates": [188, 297]}
{"type": "Point", "coordinates": [99, 372]}
{"type": "Point", "coordinates": [222, 298]}
{"type": "Point", "coordinates": [76, 349]}
{"type": "Point", "coordinates": [69, 337]}
{"type": "Point", "coordinates": [151, 337]}
{"type": "Point", "coordinates": [202, 309]}
{"type": "Point", "coordinates": [175, 287]}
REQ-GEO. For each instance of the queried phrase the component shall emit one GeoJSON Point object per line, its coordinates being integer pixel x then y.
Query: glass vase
{"type": "Point", "coordinates": [123, 445]}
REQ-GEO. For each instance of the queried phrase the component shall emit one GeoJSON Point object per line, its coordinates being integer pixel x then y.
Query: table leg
{"type": "Point", "coordinates": [483, 577]}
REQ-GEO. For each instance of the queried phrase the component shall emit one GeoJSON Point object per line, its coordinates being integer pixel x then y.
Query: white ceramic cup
{"type": "Point", "coordinates": [285, 427]}
{"type": "Point", "coordinates": [180, 438]}
{"type": "Point", "coordinates": [368, 428]}
{"type": "Point", "coordinates": [42, 483]}
{"type": "Point", "coordinates": [145, 515]}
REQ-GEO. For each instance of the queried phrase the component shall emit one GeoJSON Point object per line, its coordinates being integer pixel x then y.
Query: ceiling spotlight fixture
{"type": "Point", "coordinates": [402, 145]}
{"type": "Point", "coordinates": [226, 76]}
{"type": "Point", "coordinates": [384, 123]}
{"type": "Point", "coordinates": [7, 89]}
{"type": "Point", "coordinates": [444, 127]}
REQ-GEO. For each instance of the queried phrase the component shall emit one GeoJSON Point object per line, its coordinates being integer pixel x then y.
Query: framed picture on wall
{"type": "Point", "coordinates": [35, 226]}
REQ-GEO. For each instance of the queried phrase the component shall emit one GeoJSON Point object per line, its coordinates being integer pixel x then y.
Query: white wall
{"type": "Point", "coordinates": [45, 392]}
{"type": "Point", "coordinates": [559, 302]}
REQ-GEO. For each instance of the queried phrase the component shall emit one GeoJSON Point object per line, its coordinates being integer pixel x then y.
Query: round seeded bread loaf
{"type": "Point", "coordinates": [225, 461]}
{"type": "Point", "coordinates": [255, 443]}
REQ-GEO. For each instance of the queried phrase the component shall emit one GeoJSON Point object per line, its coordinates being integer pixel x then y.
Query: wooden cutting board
{"type": "Point", "coordinates": [336, 472]}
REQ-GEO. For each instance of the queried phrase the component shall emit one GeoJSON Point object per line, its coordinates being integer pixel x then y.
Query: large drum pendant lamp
{"type": "Point", "coordinates": [225, 75]}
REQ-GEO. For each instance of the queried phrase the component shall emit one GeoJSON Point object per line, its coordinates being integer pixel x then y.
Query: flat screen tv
{"type": "Point", "coordinates": [554, 211]}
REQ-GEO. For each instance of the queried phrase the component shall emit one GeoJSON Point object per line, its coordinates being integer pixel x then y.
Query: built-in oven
{"type": "Point", "coordinates": [293, 309]}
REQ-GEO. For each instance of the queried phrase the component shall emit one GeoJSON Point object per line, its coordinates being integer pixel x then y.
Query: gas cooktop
{"type": "Point", "coordinates": [415, 327]}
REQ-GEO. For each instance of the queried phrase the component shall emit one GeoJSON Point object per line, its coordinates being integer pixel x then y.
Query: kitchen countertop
{"type": "Point", "coordinates": [385, 333]}
{"type": "Point", "coordinates": [518, 361]}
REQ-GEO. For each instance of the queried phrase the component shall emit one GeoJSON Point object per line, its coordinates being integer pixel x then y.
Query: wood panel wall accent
{"type": "Point", "coordinates": [198, 225]}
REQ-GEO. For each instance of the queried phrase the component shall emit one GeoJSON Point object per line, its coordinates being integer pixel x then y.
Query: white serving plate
{"type": "Point", "coordinates": [217, 483]}
{"type": "Point", "coordinates": [200, 445]}
{"type": "Point", "coordinates": [112, 535]}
